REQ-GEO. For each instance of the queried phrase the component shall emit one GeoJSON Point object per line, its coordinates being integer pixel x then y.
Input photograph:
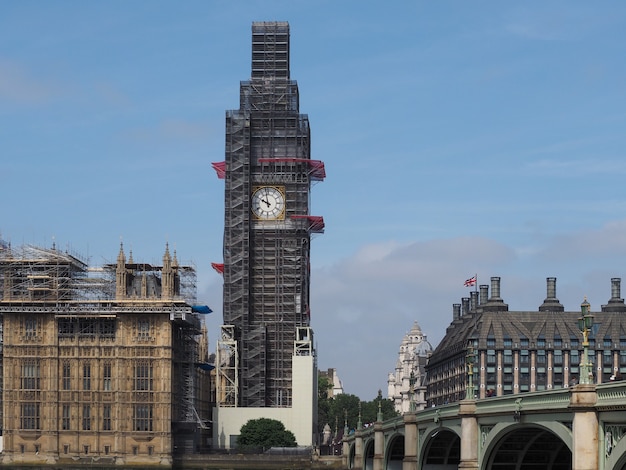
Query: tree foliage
{"type": "Point", "coordinates": [265, 433]}
{"type": "Point", "coordinates": [345, 408]}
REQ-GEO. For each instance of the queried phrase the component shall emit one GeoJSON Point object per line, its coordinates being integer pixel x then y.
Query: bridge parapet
{"type": "Point", "coordinates": [611, 396]}
{"type": "Point", "coordinates": [526, 402]}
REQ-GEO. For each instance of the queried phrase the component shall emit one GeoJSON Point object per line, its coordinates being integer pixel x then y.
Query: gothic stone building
{"type": "Point", "coordinates": [406, 386]}
{"type": "Point", "coordinates": [99, 365]}
{"type": "Point", "coordinates": [516, 352]}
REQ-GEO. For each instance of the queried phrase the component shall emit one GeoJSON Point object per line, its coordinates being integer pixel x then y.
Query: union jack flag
{"type": "Point", "coordinates": [470, 282]}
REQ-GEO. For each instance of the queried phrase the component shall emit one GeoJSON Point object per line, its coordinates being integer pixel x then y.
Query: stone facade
{"type": "Point", "coordinates": [101, 370]}
{"type": "Point", "coordinates": [410, 367]}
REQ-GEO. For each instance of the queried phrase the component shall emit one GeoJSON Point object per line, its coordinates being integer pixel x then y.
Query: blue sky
{"type": "Point", "coordinates": [459, 137]}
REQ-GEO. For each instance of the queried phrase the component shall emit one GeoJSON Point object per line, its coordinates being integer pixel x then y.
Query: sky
{"type": "Point", "coordinates": [459, 138]}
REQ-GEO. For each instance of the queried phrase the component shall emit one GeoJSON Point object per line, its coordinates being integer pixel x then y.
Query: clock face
{"type": "Point", "coordinates": [268, 203]}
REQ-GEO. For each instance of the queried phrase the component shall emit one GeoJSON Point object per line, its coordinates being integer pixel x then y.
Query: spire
{"type": "Point", "coordinates": [120, 274]}
{"type": "Point", "coordinates": [121, 258]}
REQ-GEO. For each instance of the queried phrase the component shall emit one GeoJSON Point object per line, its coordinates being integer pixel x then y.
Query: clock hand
{"type": "Point", "coordinates": [266, 202]}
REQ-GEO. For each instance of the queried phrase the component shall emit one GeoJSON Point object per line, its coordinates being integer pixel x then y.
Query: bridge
{"type": "Point", "coordinates": [577, 428]}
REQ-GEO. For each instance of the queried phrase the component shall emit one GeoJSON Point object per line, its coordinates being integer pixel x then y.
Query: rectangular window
{"type": "Point", "coordinates": [558, 342]}
{"type": "Point", "coordinates": [107, 328]}
{"type": "Point", "coordinates": [106, 376]}
{"type": "Point", "coordinates": [142, 419]}
{"type": "Point", "coordinates": [107, 450]}
{"type": "Point", "coordinates": [558, 357]}
{"type": "Point", "coordinates": [508, 343]}
{"type": "Point", "coordinates": [523, 356]}
{"type": "Point", "coordinates": [66, 448]}
{"type": "Point", "coordinates": [143, 328]}
{"type": "Point", "coordinates": [541, 342]}
{"type": "Point", "coordinates": [491, 356]}
{"type": "Point", "coordinates": [507, 357]}
{"type": "Point", "coordinates": [30, 416]}
{"type": "Point", "coordinates": [143, 376]}
{"type": "Point", "coordinates": [491, 342]}
{"type": "Point", "coordinates": [87, 376]}
{"type": "Point", "coordinates": [541, 357]}
{"type": "Point", "coordinates": [66, 327]}
{"type": "Point", "coordinates": [86, 418]}
{"type": "Point", "coordinates": [67, 376]}
{"type": "Point", "coordinates": [65, 417]}
{"type": "Point", "coordinates": [30, 375]}
{"type": "Point", "coordinates": [30, 327]}
{"type": "Point", "coordinates": [106, 418]}
{"type": "Point", "coordinates": [523, 342]}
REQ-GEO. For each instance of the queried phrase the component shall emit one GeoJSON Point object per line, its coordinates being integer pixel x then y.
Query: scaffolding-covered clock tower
{"type": "Point", "coordinates": [268, 176]}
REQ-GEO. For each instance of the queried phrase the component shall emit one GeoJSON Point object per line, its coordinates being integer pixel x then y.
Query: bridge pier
{"type": "Point", "coordinates": [584, 427]}
{"type": "Point", "coordinates": [410, 442]}
{"type": "Point", "coordinates": [379, 446]}
{"type": "Point", "coordinates": [358, 449]}
{"type": "Point", "coordinates": [469, 435]}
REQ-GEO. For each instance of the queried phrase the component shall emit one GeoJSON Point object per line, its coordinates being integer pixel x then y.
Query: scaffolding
{"type": "Point", "coordinates": [88, 302]}
{"type": "Point", "coordinates": [266, 265]}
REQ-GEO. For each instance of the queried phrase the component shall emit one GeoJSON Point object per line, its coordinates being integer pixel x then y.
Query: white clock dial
{"type": "Point", "coordinates": [268, 202]}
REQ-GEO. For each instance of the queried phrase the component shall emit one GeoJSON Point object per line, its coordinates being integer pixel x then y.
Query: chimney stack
{"type": "Point", "coordinates": [484, 294]}
{"type": "Point", "coordinates": [456, 312]}
{"type": "Point", "coordinates": [616, 304]}
{"type": "Point", "coordinates": [465, 302]}
{"type": "Point", "coordinates": [473, 301]}
{"type": "Point", "coordinates": [495, 303]}
{"type": "Point", "coordinates": [551, 303]}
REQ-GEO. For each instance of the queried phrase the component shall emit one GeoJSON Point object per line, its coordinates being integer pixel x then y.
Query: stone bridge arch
{"type": "Point", "coordinates": [440, 448]}
{"type": "Point", "coordinates": [394, 451]}
{"type": "Point", "coordinates": [546, 445]}
{"type": "Point", "coordinates": [368, 454]}
{"type": "Point", "coordinates": [614, 453]}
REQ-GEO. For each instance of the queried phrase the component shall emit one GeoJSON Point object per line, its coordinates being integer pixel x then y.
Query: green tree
{"type": "Point", "coordinates": [344, 409]}
{"type": "Point", "coordinates": [265, 433]}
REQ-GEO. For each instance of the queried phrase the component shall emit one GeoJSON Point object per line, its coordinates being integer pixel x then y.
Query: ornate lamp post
{"type": "Point", "coordinates": [469, 361]}
{"type": "Point", "coordinates": [585, 322]}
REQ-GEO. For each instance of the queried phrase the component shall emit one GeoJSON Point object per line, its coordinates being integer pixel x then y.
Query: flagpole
{"type": "Point", "coordinates": [476, 283]}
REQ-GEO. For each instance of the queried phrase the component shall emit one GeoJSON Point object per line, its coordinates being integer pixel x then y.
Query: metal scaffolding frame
{"type": "Point", "coordinates": [86, 302]}
{"type": "Point", "coordinates": [266, 262]}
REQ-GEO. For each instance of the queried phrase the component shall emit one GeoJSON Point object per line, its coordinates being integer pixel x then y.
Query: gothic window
{"type": "Point", "coordinates": [107, 328]}
{"type": "Point", "coordinates": [30, 327]}
{"type": "Point", "coordinates": [142, 417]}
{"type": "Point", "coordinates": [65, 418]}
{"type": "Point", "coordinates": [143, 329]}
{"type": "Point", "coordinates": [106, 418]}
{"type": "Point", "coordinates": [87, 376]}
{"type": "Point", "coordinates": [86, 418]}
{"type": "Point", "coordinates": [106, 376]}
{"type": "Point", "coordinates": [66, 327]}
{"type": "Point", "coordinates": [67, 376]}
{"type": "Point", "coordinates": [30, 375]}
{"type": "Point", "coordinates": [30, 416]}
{"type": "Point", "coordinates": [143, 376]}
